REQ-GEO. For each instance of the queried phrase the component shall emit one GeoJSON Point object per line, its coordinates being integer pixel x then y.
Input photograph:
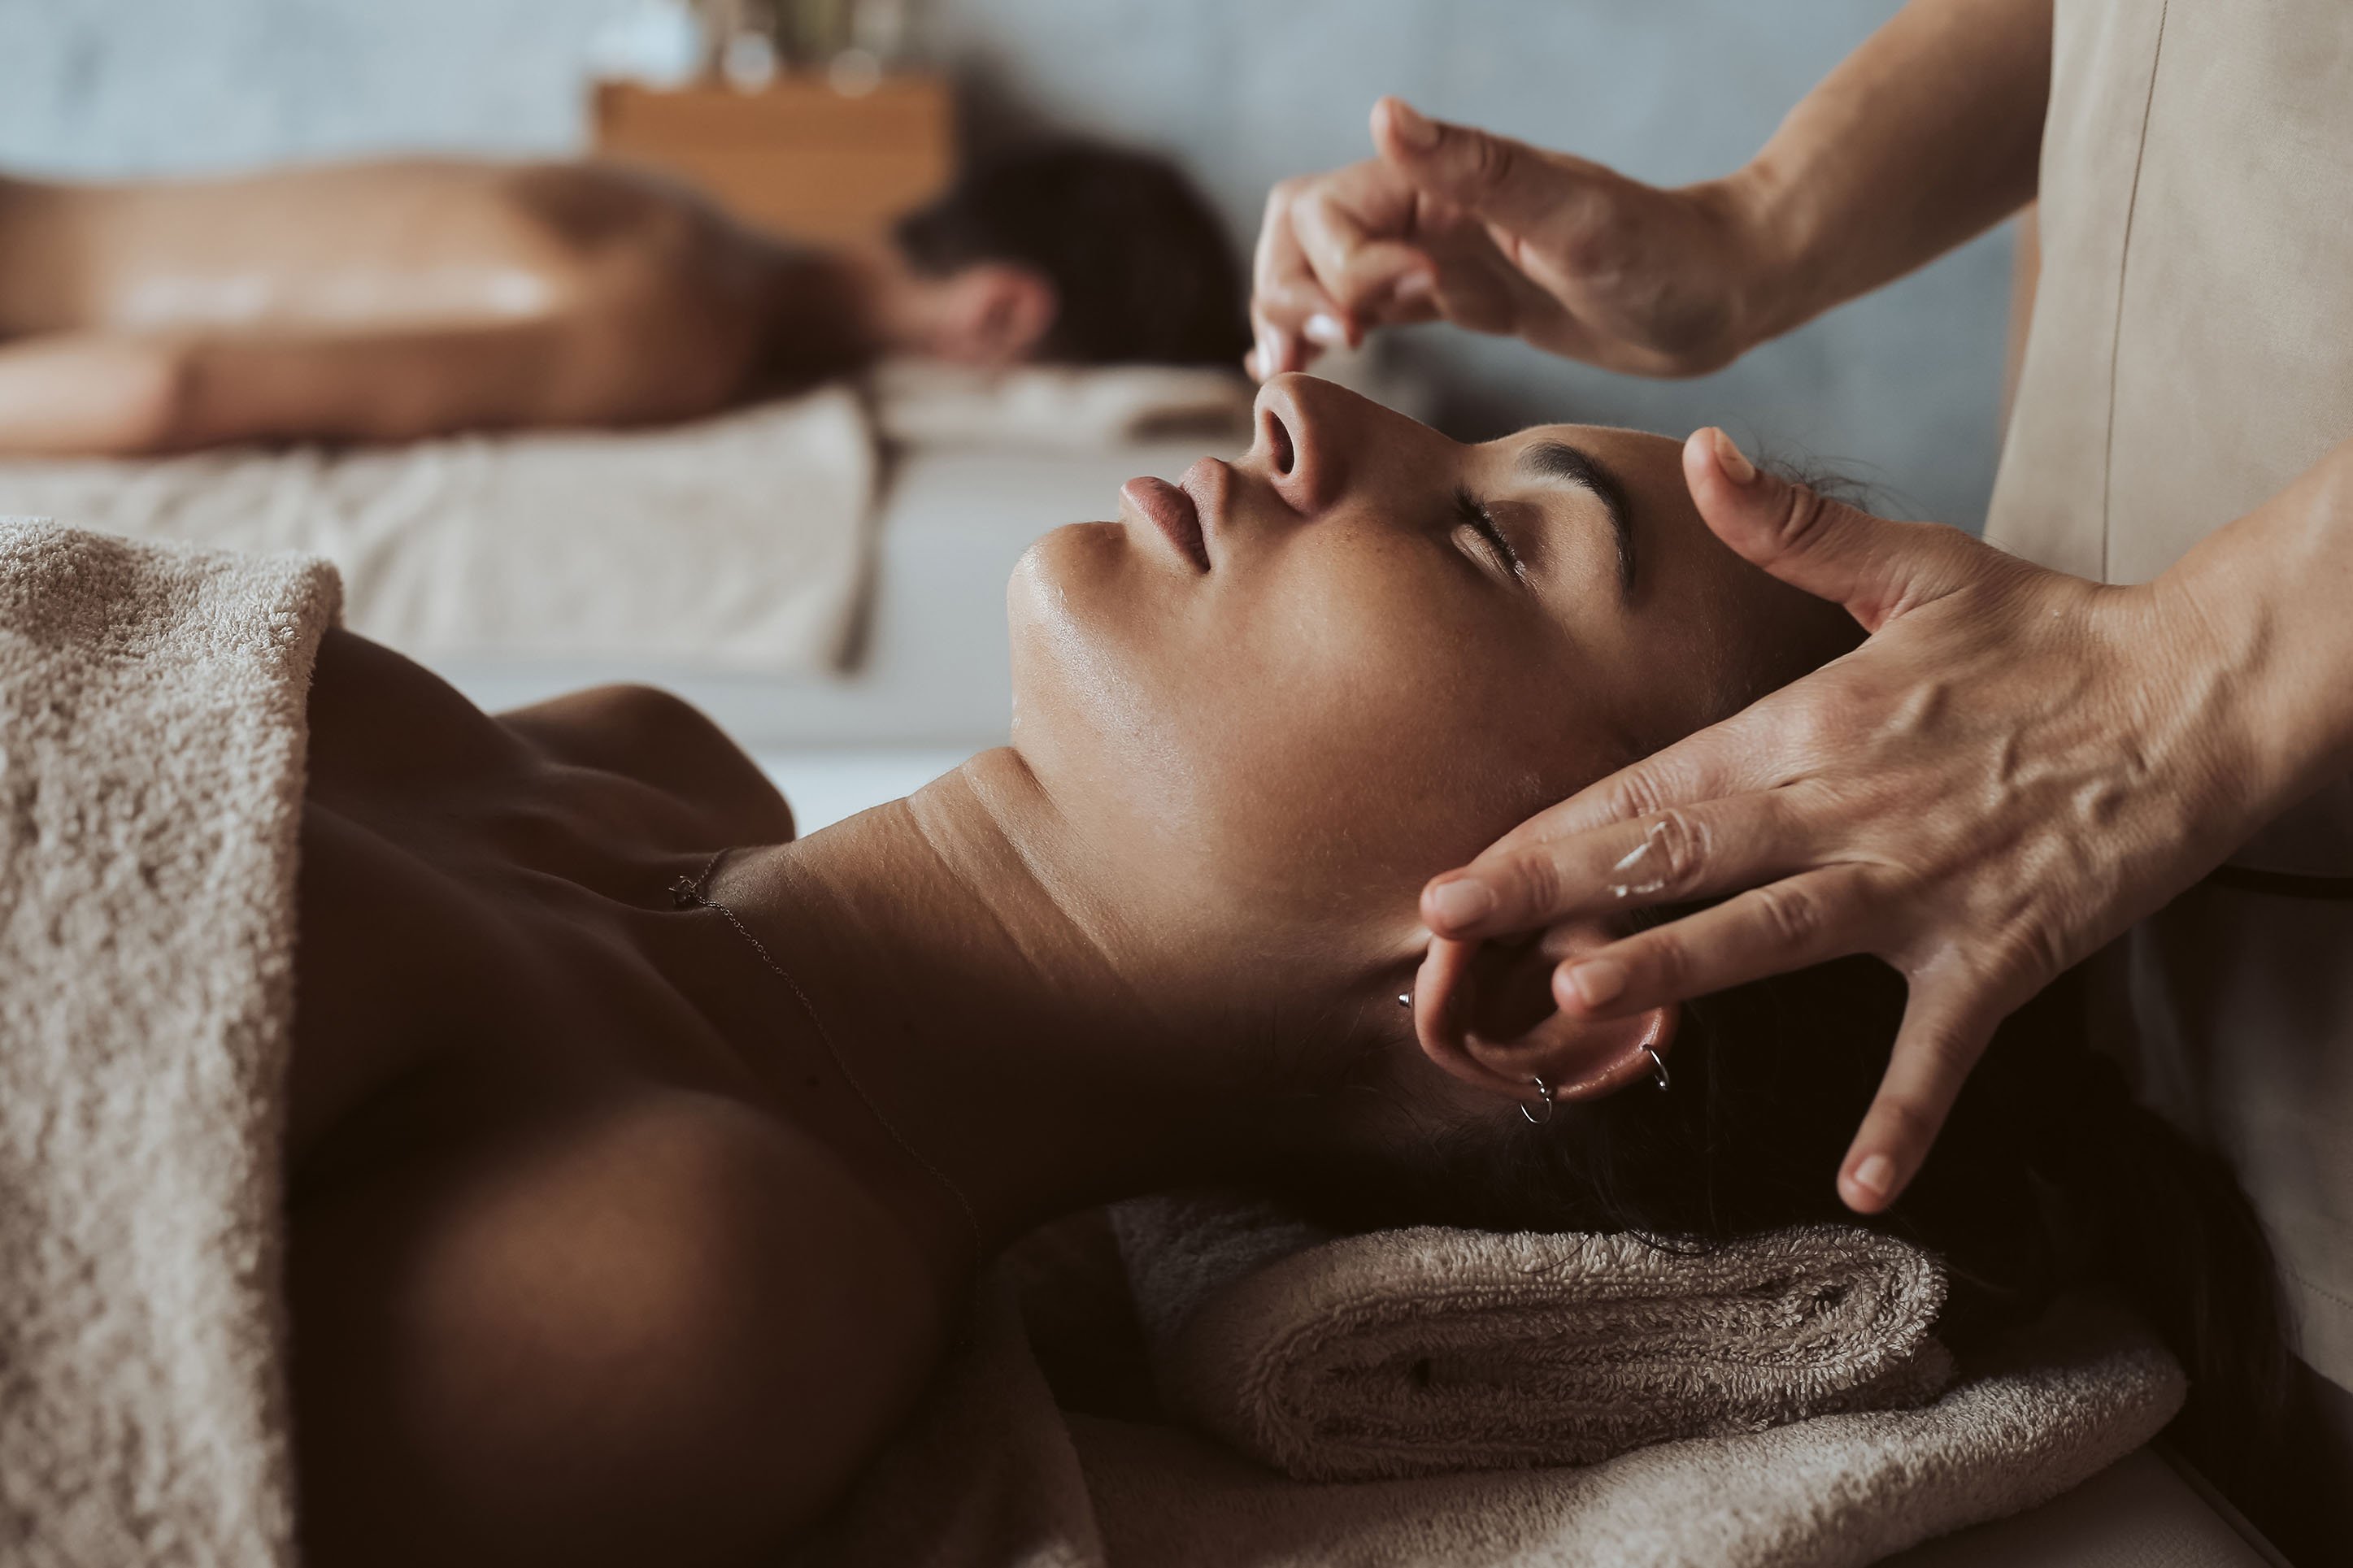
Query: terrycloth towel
{"type": "Point", "coordinates": [737, 543]}
{"type": "Point", "coordinates": [920, 403]}
{"type": "Point", "coordinates": [990, 1474]}
{"type": "Point", "coordinates": [151, 781]}
{"type": "Point", "coordinates": [2056, 1407]}
{"type": "Point", "coordinates": [1417, 1351]}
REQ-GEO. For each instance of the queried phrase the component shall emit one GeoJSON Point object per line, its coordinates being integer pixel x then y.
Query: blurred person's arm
{"type": "Point", "coordinates": [1926, 134]}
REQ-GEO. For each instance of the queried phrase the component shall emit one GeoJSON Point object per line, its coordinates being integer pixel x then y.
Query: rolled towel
{"type": "Point", "coordinates": [1410, 1352]}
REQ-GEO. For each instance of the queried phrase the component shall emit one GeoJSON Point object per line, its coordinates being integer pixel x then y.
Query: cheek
{"type": "Point", "coordinates": [1089, 692]}
{"type": "Point", "coordinates": [1381, 731]}
{"type": "Point", "coordinates": [1330, 730]}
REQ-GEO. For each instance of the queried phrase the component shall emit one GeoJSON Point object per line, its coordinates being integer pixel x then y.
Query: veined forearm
{"type": "Point", "coordinates": [1923, 137]}
{"type": "Point", "coordinates": [2272, 595]}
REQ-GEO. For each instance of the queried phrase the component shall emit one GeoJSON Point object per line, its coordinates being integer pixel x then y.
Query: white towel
{"type": "Point", "coordinates": [737, 543]}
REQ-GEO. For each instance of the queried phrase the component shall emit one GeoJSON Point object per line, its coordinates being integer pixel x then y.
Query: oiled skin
{"type": "Point", "coordinates": [386, 302]}
{"type": "Point", "coordinates": [582, 1268]}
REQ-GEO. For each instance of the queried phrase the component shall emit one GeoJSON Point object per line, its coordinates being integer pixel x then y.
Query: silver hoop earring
{"type": "Point", "coordinates": [1658, 1068]}
{"type": "Point", "coordinates": [1543, 1092]}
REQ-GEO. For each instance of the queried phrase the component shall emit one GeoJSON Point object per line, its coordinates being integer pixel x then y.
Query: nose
{"type": "Point", "coordinates": [1300, 443]}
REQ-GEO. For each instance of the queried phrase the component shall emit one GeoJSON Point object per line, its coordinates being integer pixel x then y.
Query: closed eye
{"type": "Point", "coordinates": [1470, 514]}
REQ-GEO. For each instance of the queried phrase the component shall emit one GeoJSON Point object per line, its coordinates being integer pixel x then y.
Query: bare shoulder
{"type": "Point", "coordinates": [663, 742]}
{"type": "Point", "coordinates": [592, 204]}
{"type": "Point", "coordinates": [671, 1335]}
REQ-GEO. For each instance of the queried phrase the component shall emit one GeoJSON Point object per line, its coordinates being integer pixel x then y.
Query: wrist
{"type": "Point", "coordinates": [1768, 244]}
{"type": "Point", "coordinates": [2263, 599]}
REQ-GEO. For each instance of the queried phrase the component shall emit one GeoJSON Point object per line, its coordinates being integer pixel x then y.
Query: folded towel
{"type": "Point", "coordinates": [2056, 1405]}
{"type": "Point", "coordinates": [737, 543]}
{"type": "Point", "coordinates": [1417, 1351]}
{"type": "Point", "coordinates": [990, 1474]}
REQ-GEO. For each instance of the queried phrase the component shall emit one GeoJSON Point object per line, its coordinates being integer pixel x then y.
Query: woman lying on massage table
{"type": "Point", "coordinates": [641, 1155]}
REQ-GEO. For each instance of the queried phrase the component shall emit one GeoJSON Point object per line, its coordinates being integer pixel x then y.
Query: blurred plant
{"type": "Point", "coordinates": [746, 41]}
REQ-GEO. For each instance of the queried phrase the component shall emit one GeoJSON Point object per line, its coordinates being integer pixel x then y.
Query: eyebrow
{"type": "Point", "coordinates": [1559, 461]}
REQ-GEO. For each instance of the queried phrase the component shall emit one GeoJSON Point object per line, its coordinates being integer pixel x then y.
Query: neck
{"type": "Point", "coordinates": [828, 312]}
{"type": "Point", "coordinates": [981, 995]}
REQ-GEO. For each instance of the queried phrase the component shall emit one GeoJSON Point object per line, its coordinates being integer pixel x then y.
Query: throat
{"type": "Point", "coordinates": [1005, 1061]}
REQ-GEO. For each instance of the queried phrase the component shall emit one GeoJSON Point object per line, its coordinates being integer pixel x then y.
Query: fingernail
{"type": "Point", "coordinates": [1598, 980]}
{"type": "Point", "coordinates": [1457, 904]}
{"type": "Point", "coordinates": [1875, 1176]}
{"type": "Point", "coordinates": [1736, 467]}
{"type": "Point", "coordinates": [1412, 129]}
{"type": "Point", "coordinates": [1414, 285]}
{"type": "Point", "coordinates": [1267, 364]}
{"type": "Point", "coordinates": [1325, 329]}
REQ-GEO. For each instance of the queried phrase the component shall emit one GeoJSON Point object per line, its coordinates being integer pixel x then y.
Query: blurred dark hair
{"type": "Point", "coordinates": [1142, 269]}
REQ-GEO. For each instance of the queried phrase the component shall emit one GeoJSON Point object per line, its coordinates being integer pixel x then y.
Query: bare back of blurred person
{"type": "Point", "coordinates": [394, 300]}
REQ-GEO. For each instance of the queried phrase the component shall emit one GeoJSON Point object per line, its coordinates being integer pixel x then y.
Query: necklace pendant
{"type": "Point", "coordinates": [685, 893]}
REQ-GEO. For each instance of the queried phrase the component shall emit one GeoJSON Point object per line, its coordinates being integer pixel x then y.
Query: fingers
{"type": "Point", "coordinates": [1330, 262]}
{"type": "Point", "coordinates": [1947, 1027]}
{"type": "Point", "coordinates": [1790, 924]}
{"type": "Point", "coordinates": [1507, 183]}
{"type": "Point", "coordinates": [1638, 829]}
{"type": "Point", "coordinates": [1284, 293]}
{"type": "Point", "coordinates": [1874, 567]}
{"type": "Point", "coordinates": [1357, 270]}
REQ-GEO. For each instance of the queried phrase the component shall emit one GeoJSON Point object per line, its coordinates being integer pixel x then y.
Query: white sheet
{"type": "Point", "coordinates": [735, 544]}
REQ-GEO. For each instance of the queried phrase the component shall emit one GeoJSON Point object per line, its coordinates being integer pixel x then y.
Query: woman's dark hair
{"type": "Point", "coordinates": [1142, 269]}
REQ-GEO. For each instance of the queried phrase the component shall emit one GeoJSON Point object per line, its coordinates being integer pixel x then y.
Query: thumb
{"type": "Point", "coordinates": [1875, 568]}
{"type": "Point", "coordinates": [1507, 183]}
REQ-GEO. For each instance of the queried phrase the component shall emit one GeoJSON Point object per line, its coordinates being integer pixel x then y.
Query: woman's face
{"type": "Point", "coordinates": [1276, 698]}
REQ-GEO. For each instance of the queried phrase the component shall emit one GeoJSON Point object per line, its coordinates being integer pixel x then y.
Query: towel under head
{"type": "Point", "coordinates": [1424, 1350]}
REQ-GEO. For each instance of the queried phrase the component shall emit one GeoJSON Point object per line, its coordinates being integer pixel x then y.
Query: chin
{"type": "Point", "coordinates": [1081, 654]}
{"type": "Point", "coordinates": [1066, 577]}
{"type": "Point", "coordinates": [1062, 608]}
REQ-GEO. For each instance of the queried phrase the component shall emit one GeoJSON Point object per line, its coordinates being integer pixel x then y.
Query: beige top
{"type": "Point", "coordinates": [2192, 352]}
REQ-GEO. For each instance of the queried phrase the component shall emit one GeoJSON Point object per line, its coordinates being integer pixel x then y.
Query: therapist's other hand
{"type": "Point", "coordinates": [2012, 768]}
{"type": "Point", "coordinates": [1449, 222]}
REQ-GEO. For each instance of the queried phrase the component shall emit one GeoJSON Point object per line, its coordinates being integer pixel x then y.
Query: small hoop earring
{"type": "Point", "coordinates": [1543, 1092]}
{"type": "Point", "coordinates": [1658, 1068]}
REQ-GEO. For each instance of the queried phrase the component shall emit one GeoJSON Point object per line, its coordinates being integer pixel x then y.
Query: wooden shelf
{"type": "Point", "coordinates": [795, 157]}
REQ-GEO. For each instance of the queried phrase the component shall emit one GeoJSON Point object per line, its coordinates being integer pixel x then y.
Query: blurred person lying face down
{"type": "Point", "coordinates": [395, 300]}
{"type": "Point", "coordinates": [641, 1155]}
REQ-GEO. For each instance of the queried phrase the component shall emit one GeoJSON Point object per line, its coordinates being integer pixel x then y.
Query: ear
{"type": "Point", "coordinates": [1484, 1012]}
{"type": "Point", "coordinates": [994, 313]}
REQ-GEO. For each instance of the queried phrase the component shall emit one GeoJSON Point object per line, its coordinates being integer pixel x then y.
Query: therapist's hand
{"type": "Point", "coordinates": [1448, 223]}
{"type": "Point", "coordinates": [2015, 766]}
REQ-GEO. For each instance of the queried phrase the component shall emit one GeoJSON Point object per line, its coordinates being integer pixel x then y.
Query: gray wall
{"type": "Point", "coordinates": [1902, 386]}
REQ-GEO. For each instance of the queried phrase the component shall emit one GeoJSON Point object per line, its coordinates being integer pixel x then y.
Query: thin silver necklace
{"type": "Point", "coordinates": [689, 890]}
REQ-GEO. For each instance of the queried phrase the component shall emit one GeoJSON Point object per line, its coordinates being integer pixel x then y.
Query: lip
{"type": "Point", "coordinates": [1175, 513]}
